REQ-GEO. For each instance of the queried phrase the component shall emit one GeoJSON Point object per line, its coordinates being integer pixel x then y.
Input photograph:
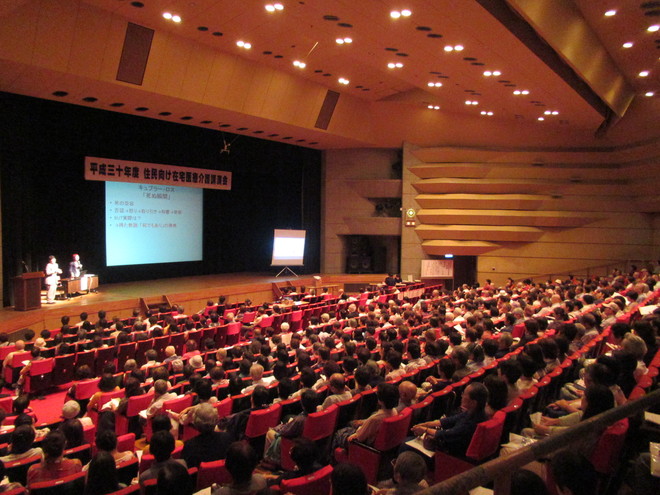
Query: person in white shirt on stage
{"type": "Point", "coordinates": [75, 267]}
{"type": "Point", "coordinates": [52, 278]}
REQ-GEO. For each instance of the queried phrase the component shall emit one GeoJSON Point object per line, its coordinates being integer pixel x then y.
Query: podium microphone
{"type": "Point", "coordinates": [25, 267]}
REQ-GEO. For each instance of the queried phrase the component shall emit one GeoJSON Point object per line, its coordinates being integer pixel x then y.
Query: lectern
{"type": "Point", "coordinates": [27, 291]}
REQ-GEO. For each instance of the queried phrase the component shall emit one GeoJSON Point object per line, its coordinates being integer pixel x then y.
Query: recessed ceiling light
{"type": "Point", "coordinates": [497, 73]}
{"type": "Point", "coordinates": [244, 44]}
{"type": "Point", "coordinates": [628, 44]}
{"type": "Point", "coordinates": [525, 91]}
{"type": "Point", "coordinates": [394, 65]}
{"type": "Point", "coordinates": [406, 13]}
{"type": "Point", "coordinates": [649, 93]}
{"type": "Point", "coordinates": [449, 48]}
{"type": "Point", "coordinates": [471, 102]}
{"type": "Point", "coordinates": [653, 28]}
{"type": "Point", "coordinates": [610, 13]}
{"type": "Point", "coordinates": [167, 15]}
{"type": "Point", "coordinates": [433, 84]}
{"type": "Point", "coordinates": [395, 14]}
{"type": "Point", "coordinates": [341, 41]}
{"type": "Point", "coordinates": [547, 112]}
{"type": "Point", "coordinates": [274, 7]}
{"type": "Point", "coordinates": [555, 112]}
{"type": "Point", "coordinates": [299, 64]}
{"type": "Point", "coordinates": [488, 73]}
{"type": "Point", "coordinates": [433, 107]}
{"type": "Point", "coordinates": [176, 18]}
{"type": "Point", "coordinates": [458, 48]}
{"type": "Point", "coordinates": [490, 114]}
{"type": "Point", "coordinates": [541, 119]}
{"type": "Point", "coordinates": [644, 73]}
{"type": "Point", "coordinates": [343, 80]}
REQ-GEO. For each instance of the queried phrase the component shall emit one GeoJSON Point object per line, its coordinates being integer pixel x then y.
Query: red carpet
{"type": "Point", "coordinates": [49, 409]}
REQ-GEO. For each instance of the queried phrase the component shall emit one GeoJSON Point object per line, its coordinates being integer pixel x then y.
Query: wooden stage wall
{"type": "Point", "coordinates": [190, 292]}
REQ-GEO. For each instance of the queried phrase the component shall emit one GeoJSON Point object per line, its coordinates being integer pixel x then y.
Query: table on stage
{"type": "Point", "coordinates": [87, 284]}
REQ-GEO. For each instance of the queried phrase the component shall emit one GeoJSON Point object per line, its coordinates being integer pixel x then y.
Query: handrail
{"type": "Point", "coordinates": [501, 469]}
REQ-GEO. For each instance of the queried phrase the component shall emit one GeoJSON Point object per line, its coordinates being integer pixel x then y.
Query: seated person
{"type": "Point", "coordinates": [162, 422]}
{"type": "Point", "coordinates": [209, 445]}
{"type": "Point", "coordinates": [21, 444]}
{"type": "Point", "coordinates": [304, 454]}
{"type": "Point", "coordinates": [102, 475]}
{"type": "Point", "coordinates": [162, 446]}
{"type": "Point", "coordinates": [338, 391]}
{"type": "Point", "coordinates": [106, 441]}
{"type": "Point", "coordinates": [365, 431]}
{"type": "Point", "coordinates": [454, 433]}
{"type": "Point", "coordinates": [257, 375]}
{"type": "Point", "coordinates": [241, 462]}
{"type": "Point", "coordinates": [161, 395]}
{"type": "Point", "coordinates": [291, 429]}
{"type": "Point", "coordinates": [348, 479]}
{"type": "Point", "coordinates": [236, 423]}
{"type": "Point", "coordinates": [54, 465]}
{"type": "Point", "coordinates": [5, 484]}
{"type": "Point", "coordinates": [408, 477]}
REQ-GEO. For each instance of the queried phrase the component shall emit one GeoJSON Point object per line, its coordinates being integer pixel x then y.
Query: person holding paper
{"type": "Point", "coordinates": [454, 433]}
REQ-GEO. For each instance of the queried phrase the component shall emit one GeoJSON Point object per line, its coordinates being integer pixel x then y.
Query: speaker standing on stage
{"type": "Point", "coordinates": [52, 278]}
{"type": "Point", "coordinates": [75, 267]}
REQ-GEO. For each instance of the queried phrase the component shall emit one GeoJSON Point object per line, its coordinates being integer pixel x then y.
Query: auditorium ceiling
{"type": "Point", "coordinates": [431, 72]}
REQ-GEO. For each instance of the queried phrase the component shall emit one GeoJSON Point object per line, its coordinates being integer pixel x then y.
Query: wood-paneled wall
{"type": "Point", "coordinates": [535, 213]}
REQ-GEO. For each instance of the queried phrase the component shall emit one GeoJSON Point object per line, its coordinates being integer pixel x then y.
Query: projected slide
{"type": "Point", "coordinates": [149, 223]}
{"type": "Point", "coordinates": [288, 247]}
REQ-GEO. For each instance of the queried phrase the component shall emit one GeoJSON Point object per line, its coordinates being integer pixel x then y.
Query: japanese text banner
{"type": "Point", "coordinates": [107, 169]}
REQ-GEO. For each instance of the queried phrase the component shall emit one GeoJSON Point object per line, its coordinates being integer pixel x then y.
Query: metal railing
{"type": "Point", "coordinates": [501, 469]}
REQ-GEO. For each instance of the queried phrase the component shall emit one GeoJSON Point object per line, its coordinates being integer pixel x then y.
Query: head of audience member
{"type": "Point", "coordinates": [304, 454]}
{"type": "Point", "coordinates": [474, 399]}
{"type": "Point", "coordinates": [240, 462]}
{"type": "Point", "coordinates": [22, 439]}
{"type": "Point", "coordinates": [73, 432]}
{"type": "Point", "coordinates": [260, 397]}
{"type": "Point", "coordinates": [524, 482]}
{"type": "Point", "coordinates": [597, 399]}
{"type": "Point", "coordinates": [102, 474]}
{"type": "Point", "coordinates": [21, 403]}
{"type": "Point", "coordinates": [106, 441]}
{"type": "Point", "coordinates": [70, 409]}
{"type": "Point", "coordinates": [460, 357]}
{"type": "Point", "coordinates": [160, 387]}
{"type": "Point", "coordinates": [407, 393]}
{"type": "Point", "coordinates": [337, 383]}
{"type": "Point", "coordinates": [409, 470]}
{"type": "Point", "coordinates": [205, 418]}
{"type": "Point", "coordinates": [497, 392]}
{"type": "Point", "coordinates": [53, 446]}
{"type": "Point", "coordinates": [161, 445]}
{"type": "Point", "coordinates": [388, 395]}
{"type": "Point", "coordinates": [573, 474]}
{"type": "Point", "coordinates": [174, 479]}
{"type": "Point", "coordinates": [348, 479]}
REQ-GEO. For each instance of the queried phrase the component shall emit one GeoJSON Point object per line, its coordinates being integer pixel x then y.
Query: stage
{"type": "Point", "coordinates": [190, 292]}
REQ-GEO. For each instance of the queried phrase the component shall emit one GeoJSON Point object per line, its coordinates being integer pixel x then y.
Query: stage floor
{"type": "Point", "coordinates": [191, 292]}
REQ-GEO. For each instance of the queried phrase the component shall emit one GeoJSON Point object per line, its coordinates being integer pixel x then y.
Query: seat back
{"type": "Point", "coordinates": [605, 456]}
{"type": "Point", "coordinates": [138, 403]}
{"type": "Point", "coordinates": [86, 358]}
{"type": "Point", "coordinates": [347, 410]}
{"type": "Point", "coordinates": [179, 404]}
{"type": "Point", "coordinates": [69, 485]}
{"type": "Point", "coordinates": [313, 484]}
{"type": "Point", "coordinates": [233, 333]}
{"type": "Point", "coordinates": [212, 472]}
{"type": "Point", "coordinates": [104, 355]}
{"type": "Point", "coordinates": [393, 431]}
{"type": "Point", "coordinates": [86, 388]}
{"type": "Point", "coordinates": [320, 425]}
{"type": "Point", "coordinates": [83, 453]}
{"type": "Point", "coordinates": [126, 442]}
{"type": "Point", "coordinates": [261, 420]}
{"type": "Point", "coordinates": [486, 438]}
{"type": "Point", "coordinates": [63, 369]}
{"type": "Point", "coordinates": [16, 471]}
{"type": "Point", "coordinates": [42, 366]}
